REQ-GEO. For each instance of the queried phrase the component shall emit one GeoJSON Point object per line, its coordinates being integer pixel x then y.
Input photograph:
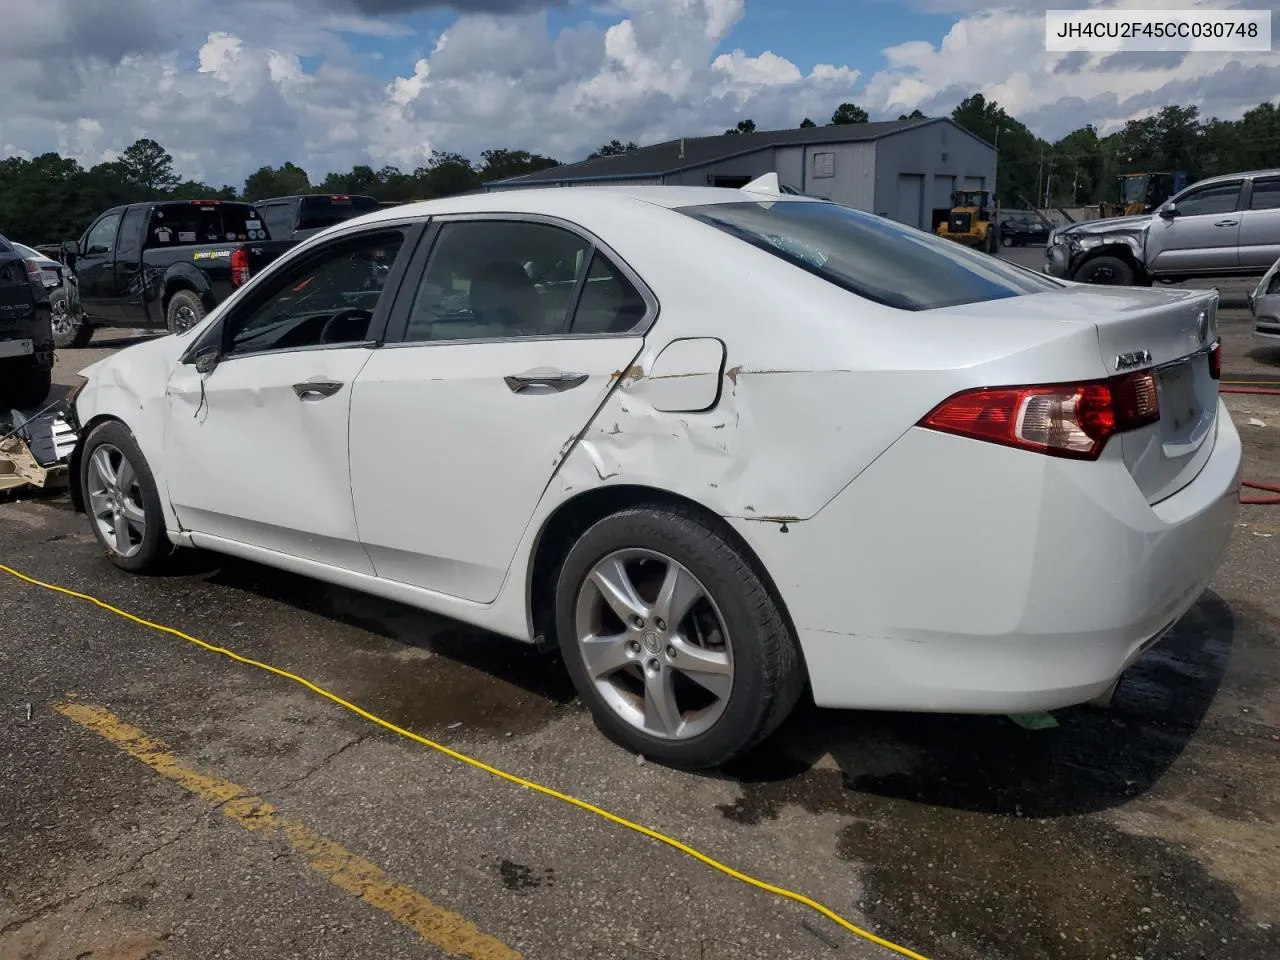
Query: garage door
{"type": "Point", "coordinates": [910, 199]}
{"type": "Point", "coordinates": [974, 183]}
{"type": "Point", "coordinates": [943, 187]}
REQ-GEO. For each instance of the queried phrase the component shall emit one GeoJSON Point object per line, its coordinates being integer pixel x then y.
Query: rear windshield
{"type": "Point", "coordinates": [185, 224]}
{"type": "Point", "coordinates": [875, 258]}
{"type": "Point", "coordinates": [320, 212]}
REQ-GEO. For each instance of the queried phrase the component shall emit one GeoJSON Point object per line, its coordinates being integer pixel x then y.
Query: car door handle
{"type": "Point", "coordinates": [555, 380]}
{"type": "Point", "coordinates": [316, 389]}
{"type": "Point", "coordinates": [1226, 223]}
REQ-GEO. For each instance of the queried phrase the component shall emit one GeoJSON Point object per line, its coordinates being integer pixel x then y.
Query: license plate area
{"type": "Point", "coordinates": [1183, 414]}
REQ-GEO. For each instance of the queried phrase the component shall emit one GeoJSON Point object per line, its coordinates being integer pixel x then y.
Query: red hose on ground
{"type": "Point", "coordinates": [1260, 501]}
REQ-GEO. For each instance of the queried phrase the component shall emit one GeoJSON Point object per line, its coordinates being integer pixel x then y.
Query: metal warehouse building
{"type": "Point", "coordinates": [903, 169]}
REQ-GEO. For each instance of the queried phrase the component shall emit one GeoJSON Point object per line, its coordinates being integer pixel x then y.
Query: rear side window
{"type": "Point", "coordinates": [875, 258]}
{"type": "Point", "coordinates": [278, 218]}
{"type": "Point", "coordinates": [319, 212]}
{"type": "Point", "coordinates": [187, 224]}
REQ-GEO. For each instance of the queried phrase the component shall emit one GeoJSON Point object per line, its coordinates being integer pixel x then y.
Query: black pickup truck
{"type": "Point", "coordinates": [298, 217]}
{"type": "Point", "coordinates": [26, 338]}
{"type": "Point", "coordinates": [159, 265]}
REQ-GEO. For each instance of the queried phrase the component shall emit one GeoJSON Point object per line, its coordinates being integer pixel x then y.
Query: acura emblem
{"type": "Point", "coordinates": [1135, 358]}
{"type": "Point", "coordinates": [1204, 327]}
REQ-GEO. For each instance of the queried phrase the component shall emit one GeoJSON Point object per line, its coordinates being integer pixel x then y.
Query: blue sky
{"type": "Point", "coordinates": [806, 32]}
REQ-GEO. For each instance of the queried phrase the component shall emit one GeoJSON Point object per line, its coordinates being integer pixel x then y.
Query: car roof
{"type": "Point", "coordinates": [552, 200]}
{"type": "Point", "coordinates": [1226, 177]}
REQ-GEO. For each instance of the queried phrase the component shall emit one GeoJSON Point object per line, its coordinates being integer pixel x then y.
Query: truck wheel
{"type": "Point", "coordinates": [672, 640]}
{"type": "Point", "coordinates": [23, 384]}
{"type": "Point", "coordinates": [185, 311]}
{"type": "Point", "coordinates": [1106, 270]}
{"type": "Point", "coordinates": [70, 332]}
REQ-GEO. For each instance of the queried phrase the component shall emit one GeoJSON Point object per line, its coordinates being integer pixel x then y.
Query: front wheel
{"type": "Point", "coordinates": [1105, 270]}
{"type": "Point", "coordinates": [672, 639]}
{"type": "Point", "coordinates": [71, 331]}
{"type": "Point", "coordinates": [122, 501]}
{"type": "Point", "coordinates": [185, 310]}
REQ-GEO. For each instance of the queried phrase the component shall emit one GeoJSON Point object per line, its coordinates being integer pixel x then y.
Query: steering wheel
{"type": "Point", "coordinates": [339, 317]}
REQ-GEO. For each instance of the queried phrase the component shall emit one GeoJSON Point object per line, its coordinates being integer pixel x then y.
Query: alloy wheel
{"type": "Point", "coordinates": [115, 500]}
{"type": "Point", "coordinates": [60, 318]}
{"type": "Point", "coordinates": [184, 318]}
{"type": "Point", "coordinates": [654, 644]}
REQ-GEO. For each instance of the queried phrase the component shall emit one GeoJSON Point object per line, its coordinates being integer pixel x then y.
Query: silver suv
{"type": "Point", "coordinates": [1221, 227]}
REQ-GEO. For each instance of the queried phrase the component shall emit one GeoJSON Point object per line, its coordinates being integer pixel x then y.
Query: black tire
{"type": "Point", "coordinates": [768, 675]}
{"type": "Point", "coordinates": [154, 547]}
{"type": "Point", "coordinates": [71, 333]}
{"type": "Point", "coordinates": [1111, 271]}
{"type": "Point", "coordinates": [175, 315]}
{"type": "Point", "coordinates": [24, 384]}
{"type": "Point", "coordinates": [1006, 240]}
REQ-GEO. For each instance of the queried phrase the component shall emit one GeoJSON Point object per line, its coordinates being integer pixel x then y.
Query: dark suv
{"type": "Point", "coordinates": [26, 336]}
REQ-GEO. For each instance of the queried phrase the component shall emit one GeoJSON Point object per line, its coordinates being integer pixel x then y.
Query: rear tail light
{"type": "Point", "coordinates": [239, 267]}
{"type": "Point", "coordinates": [1215, 361]}
{"type": "Point", "coordinates": [1072, 420]}
{"type": "Point", "coordinates": [34, 273]}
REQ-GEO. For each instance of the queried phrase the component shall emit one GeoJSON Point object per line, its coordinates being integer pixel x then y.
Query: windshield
{"type": "Point", "coordinates": [875, 258]}
{"type": "Point", "coordinates": [967, 199]}
{"type": "Point", "coordinates": [27, 253]}
{"type": "Point", "coordinates": [1133, 189]}
{"type": "Point", "coordinates": [320, 212]}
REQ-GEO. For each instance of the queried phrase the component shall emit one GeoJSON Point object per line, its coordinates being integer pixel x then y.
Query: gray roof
{"type": "Point", "coordinates": [676, 155]}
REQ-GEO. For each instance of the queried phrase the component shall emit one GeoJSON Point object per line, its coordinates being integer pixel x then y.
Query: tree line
{"type": "Point", "coordinates": [50, 198]}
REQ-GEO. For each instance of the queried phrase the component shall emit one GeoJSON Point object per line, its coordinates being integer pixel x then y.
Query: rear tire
{"type": "Point", "coordinates": [1111, 271]}
{"type": "Point", "coordinates": [24, 384]}
{"type": "Point", "coordinates": [640, 675]}
{"type": "Point", "coordinates": [185, 310]}
{"type": "Point", "coordinates": [122, 501]}
{"type": "Point", "coordinates": [70, 332]}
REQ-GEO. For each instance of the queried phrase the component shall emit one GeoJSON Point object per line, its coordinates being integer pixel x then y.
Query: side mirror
{"type": "Point", "coordinates": [70, 251]}
{"type": "Point", "coordinates": [1168, 212]}
{"type": "Point", "coordinates": [207, 360]}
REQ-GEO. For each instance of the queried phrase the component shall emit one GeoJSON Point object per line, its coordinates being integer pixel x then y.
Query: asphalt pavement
{"type": "Point", "coordinates": [158, 800]}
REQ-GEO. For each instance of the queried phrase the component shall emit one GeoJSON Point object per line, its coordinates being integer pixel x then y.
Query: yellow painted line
{"type": "Point", "coordinates": [439, 927]}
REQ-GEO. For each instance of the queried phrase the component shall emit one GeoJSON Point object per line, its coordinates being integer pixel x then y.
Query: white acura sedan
{"type": "Point", "coordinates": [716, 444]}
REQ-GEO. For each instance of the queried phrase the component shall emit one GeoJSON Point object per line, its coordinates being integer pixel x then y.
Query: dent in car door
{"type": "Point", "coordinates": [256, 450]}
{"type": "Point", "coordinates": [456, 432]}
{"type": "Point", "coordinates": [1260, 225]}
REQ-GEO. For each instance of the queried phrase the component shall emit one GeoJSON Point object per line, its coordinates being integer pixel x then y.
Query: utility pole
{"type": "Point", "coordinates": [1040, 175]}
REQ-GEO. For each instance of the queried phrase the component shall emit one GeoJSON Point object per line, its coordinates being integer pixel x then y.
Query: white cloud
{"type": "Point", "coordinates": [1001, 54]}
{"type": "Point", "coordinates": [232, 86]}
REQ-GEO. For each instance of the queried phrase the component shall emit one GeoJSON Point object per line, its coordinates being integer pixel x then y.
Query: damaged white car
{"type": "Point", "coordinates": [717, 444]}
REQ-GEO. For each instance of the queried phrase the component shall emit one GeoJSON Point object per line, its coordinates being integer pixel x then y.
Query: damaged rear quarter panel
{"type": "Point", "coordinates": [802, 404]}
{"type": "Point", "coordinates": [817, 382]}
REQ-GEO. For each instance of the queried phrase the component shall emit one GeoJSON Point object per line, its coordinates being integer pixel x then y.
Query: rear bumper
{"type": "Point", "coordinates": [960, 576]}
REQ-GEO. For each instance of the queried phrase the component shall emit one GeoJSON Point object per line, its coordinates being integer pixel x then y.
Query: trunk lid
{"type": "Point", "coordinates": [1167, 332]}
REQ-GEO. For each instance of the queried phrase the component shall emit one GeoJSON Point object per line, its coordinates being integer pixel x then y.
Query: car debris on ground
{"type": "Point", "coordinates": [34, 449]}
